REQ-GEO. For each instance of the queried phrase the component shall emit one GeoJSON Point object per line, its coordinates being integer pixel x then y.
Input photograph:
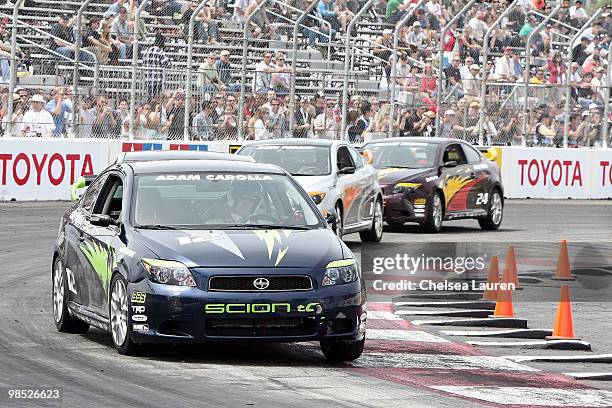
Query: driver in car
{"type": "Point", "coordinates": [241, 201]}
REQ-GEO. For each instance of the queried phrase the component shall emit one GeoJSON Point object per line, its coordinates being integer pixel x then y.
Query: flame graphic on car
{"type": "Point", "coordinates": [452, 185]}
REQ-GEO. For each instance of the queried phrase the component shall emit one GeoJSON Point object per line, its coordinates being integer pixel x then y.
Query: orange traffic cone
{"type": "Point", "coordinates": [510, 267]}
{"type": "Point", "coordinates": [564, 324]}
{"type": "Point", "coordinates": [490, 292]}
{"type": "Point", "coordinates": [503, 306]}
{"type": "Point", "coordinates": [563, 268]}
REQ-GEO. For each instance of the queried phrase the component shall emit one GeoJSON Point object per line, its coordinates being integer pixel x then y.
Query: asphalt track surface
{"type": "Point", "coordinates": [401, 366]}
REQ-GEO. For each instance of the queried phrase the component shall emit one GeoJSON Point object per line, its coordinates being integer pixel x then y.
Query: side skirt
{"type": "Point", "coordinates": [94, 319]}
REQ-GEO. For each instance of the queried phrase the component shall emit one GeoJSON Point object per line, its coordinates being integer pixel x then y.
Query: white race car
{"type": "Point", "coordinates": [335, 175]}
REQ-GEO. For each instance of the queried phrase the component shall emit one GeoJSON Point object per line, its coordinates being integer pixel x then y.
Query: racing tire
{"type": "Point", "coordinates": [342, 350]}
{"type": "Point", "coordinates": [339, 224]}
{"type": "Point", "coordinates": [119, 312]}
{"type": "Point", "coordinates": [495, 213]}
{"type": "Point", "coordinates": [375, 233]}
{"type": "Point", "coordinates": [61, 316]}
{"type": "Point", "coordinates": [435, 214]}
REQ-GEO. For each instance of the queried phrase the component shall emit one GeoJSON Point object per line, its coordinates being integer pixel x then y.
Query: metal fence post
{"type": "Point", "coordinates": [485, 54]}
{"type": "Point", "coordinates": [398, 27]}
{"type": "Point", "coordinates": [135, 66]}
{"type": "Point", "coordinates": [441, 62]}
{"type": "Point", "coordinates": [188, 91]}
{"type": "Point", "coordinates": [244, 67]}
{"type": "Point", "coordinates": [604, 120]}
{"type": "Point", "coordinates": [526, 75]}
{"type": "Point", "coordinates": [347, 43]}
{"type": "Point", "coordinates": [13, 69]}
{"type": "Point", "coordinates": [294, 64]}
{"type": "Point", "coordinates": [75, 70]}
{"type": "Point", "coordinates": [568, 77]}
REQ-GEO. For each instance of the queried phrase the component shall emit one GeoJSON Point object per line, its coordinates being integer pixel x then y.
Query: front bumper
{"type": "Point", "coordinates": [405, 207]}
{"type": "Point", "coordinates": [180, 314]}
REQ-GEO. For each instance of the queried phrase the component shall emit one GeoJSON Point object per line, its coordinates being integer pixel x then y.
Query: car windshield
{"type": "Point", "coordinates": [412, 155]}
{"type": "Point", "coordinates": [221, 201]}
{"type": "Point", "coordinates": [300, 160]}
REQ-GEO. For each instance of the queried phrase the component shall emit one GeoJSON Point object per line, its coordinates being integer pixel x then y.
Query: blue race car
{"type": "Point", "coordinates": [205, 250]}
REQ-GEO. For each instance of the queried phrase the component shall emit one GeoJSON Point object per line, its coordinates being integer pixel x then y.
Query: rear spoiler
{"type": "Point", "coordinates": [80, 184]}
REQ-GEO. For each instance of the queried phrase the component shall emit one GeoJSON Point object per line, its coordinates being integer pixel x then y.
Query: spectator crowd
{"type": "Point", "coordinates": [523, 103]}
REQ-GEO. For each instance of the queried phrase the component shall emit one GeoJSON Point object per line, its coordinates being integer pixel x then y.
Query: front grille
{"type": "Point", "coordinates": [244, 283]}
{"type": "Point", "coordinates": [261, 327]}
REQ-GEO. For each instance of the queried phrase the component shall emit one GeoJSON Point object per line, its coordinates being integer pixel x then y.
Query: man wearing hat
{"type": "Point", "coordinates": [37, 121]}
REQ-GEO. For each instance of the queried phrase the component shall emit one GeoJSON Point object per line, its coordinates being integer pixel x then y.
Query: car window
{"type": "Point", "coordinates": [89, 198]}
{"type": "Point", "coordinates": [297, 160]}
{"type": "Point", "coordinates": [454, 153]}
{"type": "Point", "coordinates": [110, 199]}
{"type": "Point", "coordinates": [344, 158]}
{"type": "Point", "coordinates": [357, 158]}
{"type": "Point", "coordinates": [473, 156]}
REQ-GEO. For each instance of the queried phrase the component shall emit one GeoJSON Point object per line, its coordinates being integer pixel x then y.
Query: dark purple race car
{"type": "Point", "coordinates": [427, 181]}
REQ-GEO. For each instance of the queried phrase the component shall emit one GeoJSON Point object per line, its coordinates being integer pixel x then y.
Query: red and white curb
{"type": "Point", "coordinates": [397, 351]}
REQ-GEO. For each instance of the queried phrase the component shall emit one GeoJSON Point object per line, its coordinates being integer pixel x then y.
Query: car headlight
{"type": "Point", "coordinates": [317, 196]}
{"type": "Point", "coordinates": [340, 272]}
{"type": "Point", "coordinates": [405, 188]}
{"type": "Point", "coordinates": [168, 272]}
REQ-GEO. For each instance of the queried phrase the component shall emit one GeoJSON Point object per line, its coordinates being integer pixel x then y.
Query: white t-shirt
{"type": "Point", "coordinates": [434, 8]}
{"type": "Point", "coordinates": [577, 12]}
{"type": "Point", "coordinates": [35, 123]}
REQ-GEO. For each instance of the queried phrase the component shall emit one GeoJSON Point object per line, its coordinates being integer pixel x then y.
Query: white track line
{"type": "Point", "coordinates": [438, 361]}
{"type": "Point", "coordinates": [533, 396]}
{"type": "Point", "coordinates": [382, 315]}
{"type": "Point", "coordinates": [404, 335]}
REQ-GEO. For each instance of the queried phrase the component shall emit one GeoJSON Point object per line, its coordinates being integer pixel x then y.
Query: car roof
{"type": "Point", "coordinates": [296, 142]}
{"type": "Point", "coordinates": [177, 166]}
{"type": "Point", "coordinates": [158, 155]}
{"type": "Point", "coordinates": [431, 140]}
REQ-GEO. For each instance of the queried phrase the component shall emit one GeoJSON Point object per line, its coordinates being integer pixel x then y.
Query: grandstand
{"type": "Point", "coordinates": [525, 87]}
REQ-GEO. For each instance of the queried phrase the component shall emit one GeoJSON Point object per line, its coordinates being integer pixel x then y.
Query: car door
{"type": "Point", "coordinates": [458, 180]}
{"type": "Point", "coordinates": [78, 286]}
{"type": "Point", "coordinates": [367, 184]}
{"type": "Point", "coordinates": [348, 185]}
{"type": "Point", "coordinates": [479, 195]}
{"type": "Point", "coordinates": [98, 244]}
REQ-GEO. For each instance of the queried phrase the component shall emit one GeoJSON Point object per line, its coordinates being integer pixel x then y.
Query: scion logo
{"type": "Point", "coordinates": [261, 283]}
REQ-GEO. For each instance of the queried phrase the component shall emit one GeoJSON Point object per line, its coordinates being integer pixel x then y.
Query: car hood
{"type": "Point", "coordinates": [392, 175]}
{"type": "Point", "coordinates": [314, 183]}
{"type": "Point", "coordinates": [244, 248]}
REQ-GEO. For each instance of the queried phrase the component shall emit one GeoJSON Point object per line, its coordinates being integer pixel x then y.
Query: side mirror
{"type": "Point", "coordinates": [102, 220]}
{"type": "Point", "coordinates": [331, 217]}
{"type": "Point", "coordinates": [449, 164]}
{"type": "Point", "coordinates": [347, 170]}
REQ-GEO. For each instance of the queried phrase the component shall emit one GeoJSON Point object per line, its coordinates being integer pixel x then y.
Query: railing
{"type": "Point", "coordinates": [339, 71]}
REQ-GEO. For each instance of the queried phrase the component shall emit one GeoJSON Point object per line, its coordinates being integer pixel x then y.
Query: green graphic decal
{"type": "Point", "coordinates": [270, 237]}
{"type": "Point", "coordinates": [248, 308]}
{"type": "Point", "coordinates": [101, 261]}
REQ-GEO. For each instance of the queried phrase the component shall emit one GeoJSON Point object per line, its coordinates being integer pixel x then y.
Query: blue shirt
{"type": "Point", "coordinates": [326, 10]}
{"type": "Point", "coordinates": [58, 120]}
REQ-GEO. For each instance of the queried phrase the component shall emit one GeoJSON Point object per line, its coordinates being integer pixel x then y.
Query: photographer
{"type": "Point", "coordinates": [105, 120]}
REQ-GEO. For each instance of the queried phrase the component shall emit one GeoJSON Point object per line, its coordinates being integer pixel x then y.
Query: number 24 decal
{"type": "Point", "coordinates": [482, 198]}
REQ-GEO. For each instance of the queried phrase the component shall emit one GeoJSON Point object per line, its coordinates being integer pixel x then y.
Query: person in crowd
{"type": "Point", "coordinates": [343, 14]}
{"type": "Point", "coordinates": [302, 119]}
{"type": "Point", "coordinates": [280, 79]}
{"type": "Point", "coordinates": [224, 68]}
{"type": "Point", "coordinates": [59, 110]}
{"type": "Point", "coordinates": [208, 76]}
{"type": "Point", "coordinates": [175, 107]}
{"type": "Point", "coordinates": [227, 125]}
{"type": "Point", "coordinates": [454, 87]}
{"type": "Point", "coordinates": [263, 73]}
{"type": "Point", "coordinates": [577, 14]}
{"type": "Point", "coordinates": [105, 120]}
{"type": "Point", "coordinates": [278, 123]}
{"type": "Point", "coordinates": [325, 125]}
{"type": "Point", "coordinates": [258, 125]}
{"type": "Point", "coordinates": [327, 12]}
{"type": "Point", "coordinates": [203, 124]}
{"type": "Point", "coordinates": [544, 131]}
{"type": "Point", "coordinates": [37, 122]}
{"type": "Point", "coordinates": [62, 39]}
{"type": "Point", "coordinates": [121, 34]}
{"type": "Point", "coordinates": [122, 112]}
{"type": "Point", "coordinates": [154, 61]}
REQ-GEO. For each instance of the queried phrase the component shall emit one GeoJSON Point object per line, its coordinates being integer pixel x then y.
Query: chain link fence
{"type": "Point", "coordinates": [175, 70]}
